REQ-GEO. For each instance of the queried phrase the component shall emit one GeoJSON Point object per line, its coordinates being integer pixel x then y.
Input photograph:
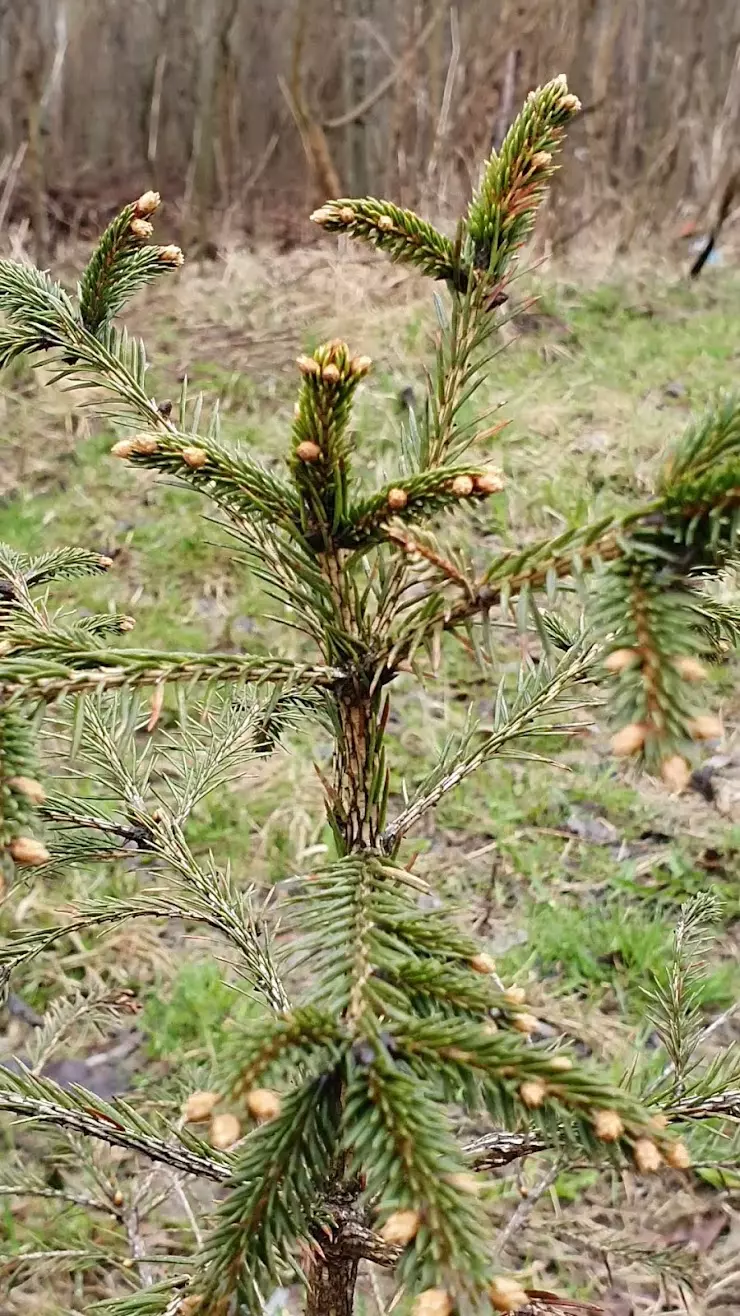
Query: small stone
{"type": "Point", "coordinates": [400, 1228]}
{"type": "Point", "coordinates": [194, 457]}
{"type": "Point", "coordinates": [225, 1131]}
{"type": "Point", "coordinates": [608, 1126]}
{"type": "Point", "coordinates": [263, 1104]}
{"type": "Point", "coordinates": [462, 486]}
{"type": "Point", "coordinates": [200, 1106]}
{"type": "Point", "coordinates": [507, 1295]}
{"type": "Point", "coordinates": [308, 451]}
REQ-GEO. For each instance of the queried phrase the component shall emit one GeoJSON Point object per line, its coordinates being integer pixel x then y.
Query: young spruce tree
{"type": "Point", "coordinates": [333, 1139]}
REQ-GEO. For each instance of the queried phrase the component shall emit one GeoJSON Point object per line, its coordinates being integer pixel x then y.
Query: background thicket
{"type": "Point", "coordinates": [245, 109]}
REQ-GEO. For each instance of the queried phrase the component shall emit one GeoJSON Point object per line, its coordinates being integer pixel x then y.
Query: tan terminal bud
{"type": "Point", "coordinates": [507, 1295]}
{"type": "Point", "coordinates": [561, 1064]}
{"type": "Point", "coordinates": [400, 1228]}
{"type": "Point", "coordinates": [146, 205]}
{"type": "Point", "coordinates": [706, 727]}
{"type": "Point", "coordinates": [541, 160]}
{"type": "Point", "coordinates": [124, 448]}
{"type": "Point", "coordinates": [146, 444]}
{"type": "Point", "coordinates": [263, 1104]}
{"type": "Point", "coordinates": [194, 457]}
{"type": "Point", "coordinates": [690, 669]}
{"type": "Point", "coordinates": [346, 214]}
{"type": "Point", "coordinates": [676, 773]}
{"type": "Point", "coordinates": [515, 995]}
{"type": "Point", "coordinates": [525, 1023]}
{"type": "Point", "coordinates": [620, 659]}
{"type": "Point", "coordinates": [308, 365]}
{"type": "Point", "coordinates": [324, 214]}
{"type": "Point", "coordinates": [385, 223]}
{"type": "Point", "coordinates": [432, 1302]}
{"type": "Point", "coordinates": [28, 786]}
{"type": "Point", "coordinates": [397, 499]}
{"type": "Point", "coordinates": [571, 103]}
{"type": "Point", "coordinates": [465, 1183]}
{"type": "Point", "coordinates": [141, 229]}
{"type": "Point", "coordinates": [489, 482]}
{"type": "Point", "coordinates": [225, 1131]}
{"type": "Point", "coordinates": [27, 852]}
{"type": "Point", "coordinates": [533, 1093]}
{"type": "Point", "coordinates": [659, 1121]}
{"type": "Point", "coordinates": [629, 740]}
{"type": "Point", "coordinates": [647, 1157]}
{"type": "Point", "coordinates": [126, 624]}
{"type": "Point", "coordinates": [360, 366]}
{"type": "Point", "coordinates": [483, 963]}
{"type": "Point", "coordinates": [200, 1106]}
{"type": "Point", "coordinates": [171, 255]}
{"type": "Point", "coordinates": [105, 562]}
{"type": "Point", "coordinates": [117, 1198]}
{"type": "Point", "coordinates": [462, 486]}
{"type": "Point", "coordinates": [677, 1155]}
{"type": "Point", "coordinates": [490, 1027]}
{"type": "Point", "coordinates": [308, 451]}
{"type": "Point", "coordinates": [189, 1306]}
{"type": "Point", "coordinates": [608, 1126]}
{"type": "Point", "coordinates": [331, 373]}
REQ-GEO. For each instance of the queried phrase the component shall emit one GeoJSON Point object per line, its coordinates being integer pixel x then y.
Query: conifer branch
{"type": "Point", "coordinates": [401, 234]}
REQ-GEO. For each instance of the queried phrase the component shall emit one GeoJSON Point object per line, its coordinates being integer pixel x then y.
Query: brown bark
{"type": "Point", "coordinates": [331, 1287]}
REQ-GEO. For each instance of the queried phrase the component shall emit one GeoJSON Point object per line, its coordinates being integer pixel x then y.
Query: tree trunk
{"type": "Point", "coordinates": [331, 1287]}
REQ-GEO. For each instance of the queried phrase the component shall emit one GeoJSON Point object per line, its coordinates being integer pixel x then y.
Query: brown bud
{"type": "Point", "coordinates": [27, 852]}
{"type": "Point", "coordinates": [629, 739]}
{"type": "Point", "coordinates": [144, 444]}
{"type": "Point", "coordinates": [483, 963]}
{"type": "Point", "coordinates": [541, 160]}
{"type": "Point", "coordinates": [507, 1295]}
{"type": "Point", "coordinates": [141, 229]}
{"type": "Point", "coordinates": [490, 1027]}
{"type": "Point", "coordinates": [676, 773]}
{"type": "Point", "coordinates": [28, 786]}
{"type": "Point", "coordinates": [690, 669]}
{"type": "Point", "coordinates": [561, 1064]}
{"type": "Point", "coordinates": [706, 727]}
{"type": "Point", "coordinates": [147, 203]}
{"type": "Point", "coordinates": [533, 1093]}
{"type": "Point", "coordinates": [171, 255]}
{"type": "Point", "coordinates": [124, 448]}
{"type": "Point", "coordinates": [515, 995]}
{"type": "Point", "coordinates": [677, 1155]}
{"type": "Point", "coordinates": [400, 1228]}
{"type": "Point", "coordinates": [385, 223]}
{"type": "Point", "coordinates": [308, 365]}
{"type": "Point", "coordinates": [331, 373]}
{"type": "Point", "coordinates": [432, 1302]}
{"type": "Point", "coordinates": [525, 1023]}
{"type": "Point", "coordinates": [608, 1126]}
{"type": "Point", "coordinates": [620, 659]}
{"type": "Point", "coordinates": [194, 457]}
{"type": "Point", "coordinates": [323, 215]}
{"type": "Point", "coordinates": [263, 1104]}
{"type": "Point", "coordinates": [126, 624]}
{"type": "Point", "coordinates": [105, 562]}
{"type": "Point", "coordinates": [571, 103]}
{"type": "Point", "coordinates": [225, 1131]}
{"type": "Point", "coordinates": [489, 482]}
{"type": "Point", "coordinates": [659, 1121]}
{"type": "Point", "coordinates": [346, 214]}
{"type": "Point", "coordinates": [647, 1157]}
{"type": "Point", "coordinates": [462, 486]}
{"type": "Point", "coordinates": [200, 1106]}
{"type": "Point", "coordinates": [189, 1306]}
{"type": "Point", "coordinates": [360, 365]}
{"type": "Point", "coordinates": [397, 499]}
{"type": "Point", "coordinates": [117, 1198]}
{"type": "Point", "coordinates": [308, 451]}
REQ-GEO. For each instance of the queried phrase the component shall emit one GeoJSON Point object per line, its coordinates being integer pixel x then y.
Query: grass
{"type": "Point", "coordinates": [593, 391]}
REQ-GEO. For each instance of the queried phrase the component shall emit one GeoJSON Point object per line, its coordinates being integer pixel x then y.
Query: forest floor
{"type": "Point", "coordinates": [574, 875]}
